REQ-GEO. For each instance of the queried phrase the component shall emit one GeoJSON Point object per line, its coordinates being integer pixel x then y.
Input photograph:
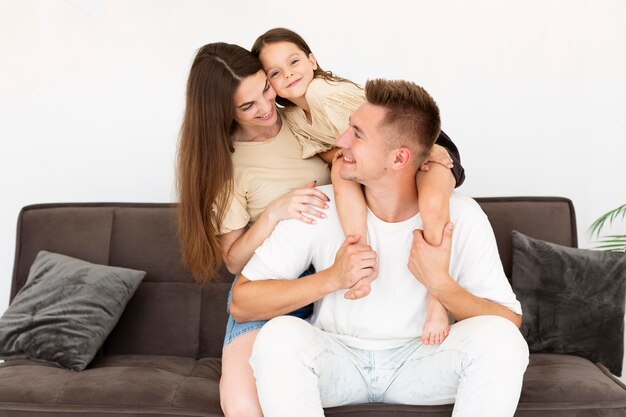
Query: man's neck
{"type": "Point", "coordinates": [393, 201]}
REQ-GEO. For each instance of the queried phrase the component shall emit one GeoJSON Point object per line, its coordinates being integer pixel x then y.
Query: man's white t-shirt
{"type": "Point", "coordinates": [393, 313]}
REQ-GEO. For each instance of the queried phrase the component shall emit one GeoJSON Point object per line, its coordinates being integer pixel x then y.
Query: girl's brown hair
{"type": "Point", "coordinates": [204, 166]}
{"type": "Point", "coordinates": [285, 35]}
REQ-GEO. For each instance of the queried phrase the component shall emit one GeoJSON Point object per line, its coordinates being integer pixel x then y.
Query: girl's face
{"type": "Point", "coordinates": [288, 68]}
{"type": "Point", "coordinates": [255, 102]}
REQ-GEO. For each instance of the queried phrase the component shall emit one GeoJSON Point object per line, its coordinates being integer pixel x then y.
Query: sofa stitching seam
{"type": "Point", "coordinates": [184, 378]}
{"type": "Point", "coordinates": [56, 397]}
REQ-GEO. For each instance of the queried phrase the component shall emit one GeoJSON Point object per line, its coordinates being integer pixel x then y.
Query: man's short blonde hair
{"type": "Point", "coordinates": [412, 118]}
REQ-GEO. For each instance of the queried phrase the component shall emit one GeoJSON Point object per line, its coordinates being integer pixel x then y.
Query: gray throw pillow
{"type": "Point", "coordinates": [573, 299]}
{"type": "Point", "coordinates": [65, 310]}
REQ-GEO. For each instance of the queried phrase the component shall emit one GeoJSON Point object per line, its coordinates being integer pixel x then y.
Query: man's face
{"type": "Point", "coordinates": [363, 145]}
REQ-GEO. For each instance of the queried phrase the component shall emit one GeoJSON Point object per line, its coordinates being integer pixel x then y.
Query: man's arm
{"type": "Point", "coordinates": [263, 299]}
{"type": "Point", "coordinates": [430, 265]}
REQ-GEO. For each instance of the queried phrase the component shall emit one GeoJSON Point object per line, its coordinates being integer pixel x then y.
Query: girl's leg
{"type": "Point", "coordinates": [352, 212]}
{"type": "Point", "coordinates": [436, 325]}
{"type": "Point", "coordinates": [434, 187]}
{"type": "Point", "coordinates": [350, 203]}
{"type": "Point", "coordinates": [238, 395]}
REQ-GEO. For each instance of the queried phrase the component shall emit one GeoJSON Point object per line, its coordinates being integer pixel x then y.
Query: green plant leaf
{"type": "Point", "coordinates": [611, 247]}
{"type": "Point", "coordinates": [606, 218]}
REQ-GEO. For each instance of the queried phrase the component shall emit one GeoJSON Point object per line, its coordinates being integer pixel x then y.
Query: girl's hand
{"type": "Point", "coordinates": [338, 155]}
{"type": "Point", "coordinates": [439, 155]}
{"type": "Point", "coordinates": [295, 203]}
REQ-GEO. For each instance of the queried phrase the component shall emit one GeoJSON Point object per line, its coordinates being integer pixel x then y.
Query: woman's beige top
{"type": "Point", "coordinates": [265, 171]}
{"type": "Point", "coordinates": [331, 104]}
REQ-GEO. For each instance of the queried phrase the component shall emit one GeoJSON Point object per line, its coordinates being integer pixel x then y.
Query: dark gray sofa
{"type": "Point", "coordinates": [162, 359]}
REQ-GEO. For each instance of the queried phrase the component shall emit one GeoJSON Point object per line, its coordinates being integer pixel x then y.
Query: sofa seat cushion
{"type": "Point", "coordinates": [155, 386]}
{"type": "Point", "coordinates": [114, 385]}
{"type": "Point", "coordinates": [570, 386]}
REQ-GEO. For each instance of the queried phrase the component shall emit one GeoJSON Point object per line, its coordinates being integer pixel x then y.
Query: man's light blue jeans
{"type": "Point", "coordinates": [300, 369]}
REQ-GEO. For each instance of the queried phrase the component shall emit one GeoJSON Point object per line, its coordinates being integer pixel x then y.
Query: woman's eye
{"type": "Point", "coordinates": [267, 87]}
{"type": "Point", "coordinates": [273, 74]}
{"type": "Point", "coordinates": [356, 135]}
{"type": "Point", "coordinates": [295, 61]}
{"type": "Point", "coordinates": [246, 108]}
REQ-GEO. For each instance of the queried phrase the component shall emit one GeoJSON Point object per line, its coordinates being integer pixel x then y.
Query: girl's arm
{"type": "Point", "coordinates": [238, 246]}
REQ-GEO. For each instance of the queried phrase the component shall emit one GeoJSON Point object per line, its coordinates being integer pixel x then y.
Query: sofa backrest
{"type": "Point", "coordinates": [170, 314]}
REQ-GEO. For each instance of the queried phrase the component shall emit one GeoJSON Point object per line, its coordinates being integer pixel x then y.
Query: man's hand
{"type": "Point", "coordinates": [430, 264]}
{"type": "Point", "coordinates": [353, 262]}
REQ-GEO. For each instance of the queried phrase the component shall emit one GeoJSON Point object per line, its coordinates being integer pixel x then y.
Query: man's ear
{"type": "Point", "coordinates": [402, 158]}
{"type": "Point", "coordinates": [313, 61]}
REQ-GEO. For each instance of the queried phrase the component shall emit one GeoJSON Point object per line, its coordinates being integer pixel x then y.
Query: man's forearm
{"type": "Point", "coordinates": [462, 304]}
{"type": "Point", "coordinates": [266, 299]}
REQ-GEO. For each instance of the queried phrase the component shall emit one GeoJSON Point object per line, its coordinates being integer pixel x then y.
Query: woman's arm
{"type": "Point", "coordinates": [238, 246]}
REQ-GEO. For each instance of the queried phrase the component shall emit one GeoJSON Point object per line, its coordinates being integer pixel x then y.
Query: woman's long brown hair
{"type": "Point", "coordinates": [285, 35]}
{"type": "Point", "coordinates": [204, 166]}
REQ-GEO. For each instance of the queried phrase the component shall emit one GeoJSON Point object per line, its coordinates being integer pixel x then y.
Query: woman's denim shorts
{"type": "Point", "coordinates": [235, 329]}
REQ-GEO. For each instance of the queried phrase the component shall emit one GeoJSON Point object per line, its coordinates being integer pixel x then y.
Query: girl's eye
{"type": "Point", "coordinates": [273, 74]}
{"type": "Point", "coordinates": [267, 87]}
{"type": "Point", "coordinates": [295, 61]}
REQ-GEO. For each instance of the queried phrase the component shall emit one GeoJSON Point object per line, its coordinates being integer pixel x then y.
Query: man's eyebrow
{"type": "Point", "coordinates": [355, 127]}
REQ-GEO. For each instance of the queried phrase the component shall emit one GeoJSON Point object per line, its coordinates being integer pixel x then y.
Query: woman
{"type": "Point", "coordinates": [239, 173]}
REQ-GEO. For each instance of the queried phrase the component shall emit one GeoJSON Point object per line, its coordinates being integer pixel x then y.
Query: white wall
{"type": "Point", "coordinates": [91, 91]}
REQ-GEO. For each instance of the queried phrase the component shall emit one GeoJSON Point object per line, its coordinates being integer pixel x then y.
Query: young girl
{"type": "Point", "coordinates": [318, 106]}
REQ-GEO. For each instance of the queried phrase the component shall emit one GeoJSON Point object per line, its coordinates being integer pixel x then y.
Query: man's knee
{"type": "Point", "coordinates": [498, 338]}
{"type": "Point", "coordinates": [280, 337]}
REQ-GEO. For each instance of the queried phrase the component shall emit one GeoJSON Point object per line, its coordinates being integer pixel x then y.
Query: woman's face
{"type": "Point", "coordinates": [255, 102]}
{"type": "Point", "coordinates": [288, 68]}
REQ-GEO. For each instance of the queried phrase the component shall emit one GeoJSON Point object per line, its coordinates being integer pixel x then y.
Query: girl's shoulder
{"type": "Point", "coordinates": [320, 88]}
{"type": "Point", "coordinates": [328, 97]}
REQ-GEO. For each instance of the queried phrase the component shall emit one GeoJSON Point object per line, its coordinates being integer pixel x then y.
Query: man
{"type": "Point", "coordinates": [370, 350]}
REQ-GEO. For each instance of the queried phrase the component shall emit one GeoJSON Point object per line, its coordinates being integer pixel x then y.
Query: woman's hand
{"type": "Point", "coordinates": [439, 155]}
{"type": "Point", "coordinates": [294, 204]}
